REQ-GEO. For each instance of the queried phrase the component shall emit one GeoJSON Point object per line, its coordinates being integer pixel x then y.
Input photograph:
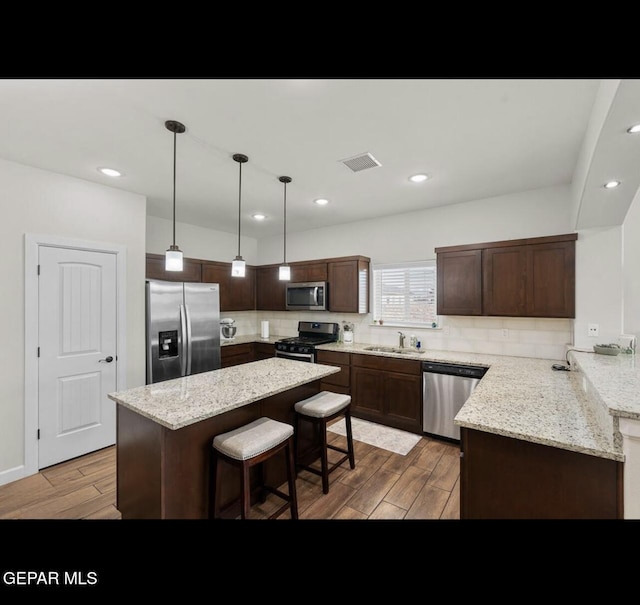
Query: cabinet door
{"type": "Point", "coordinates": [191, 270]}
{"type": "Point", "coordinates": [348, 286]}
{"type": "Point", "coordinates": [233, 355]}
{"type": "Point", "coordinates": [270, 291]}
{"type": "Point", "coordinates": [236, 293]}
{"type": "Point", "coordinates": [308, 272]}
{"type": "Point", "coordinates": [459, 283]}
{"type": "Point", "coordinates": [504, 277]}
{"type": "Point", "coordinates": [551, 280]}
{"type": "Point", "coordinates": [403, 401]}
{"type": "Point", "coordinates": [367, 393]}
{"type": "Point", "coordinates": [264, 350]}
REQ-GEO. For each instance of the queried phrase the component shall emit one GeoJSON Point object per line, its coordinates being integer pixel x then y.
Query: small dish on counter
{"type": "Point", "coordinates": [610, 349]}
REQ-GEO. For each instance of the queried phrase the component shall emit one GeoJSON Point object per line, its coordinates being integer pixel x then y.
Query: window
{"type": "Point", "coordinates": [405, 294]}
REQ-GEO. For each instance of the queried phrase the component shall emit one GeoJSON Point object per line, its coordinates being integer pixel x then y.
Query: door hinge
{"type": "Point", "coordinates": [38, 433]}
{"type": "Point", "coordinates": [38, 351]}
{"type": "Point", "coordinates": [38, 269]}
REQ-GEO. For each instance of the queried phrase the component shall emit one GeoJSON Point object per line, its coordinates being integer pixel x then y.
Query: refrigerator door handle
{"type": "Point", "coordinates": [184, 341]}
{"type": "Point", "coordinates": [189, 347]}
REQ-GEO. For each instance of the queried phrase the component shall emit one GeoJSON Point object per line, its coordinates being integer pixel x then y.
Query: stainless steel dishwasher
{"type": "Point", "coordinates": [445, 388]}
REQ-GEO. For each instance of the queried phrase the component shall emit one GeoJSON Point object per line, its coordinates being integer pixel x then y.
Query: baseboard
{"type": "Point", "coordinates": [12, 474]}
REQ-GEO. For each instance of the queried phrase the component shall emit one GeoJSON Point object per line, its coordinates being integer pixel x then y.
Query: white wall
{"type": "Point", "coordinates": [598, 285]}
{"type": "Point", "coordinates": [36, 201]}
{"type": "Point", "coordinates": [631, 269]}
{"type": "Point", "coordinates": [414, 235]}
{"type": "Point", "coordinates": [198, 242]}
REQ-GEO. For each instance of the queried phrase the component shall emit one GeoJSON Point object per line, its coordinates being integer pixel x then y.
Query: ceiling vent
{"type": "Point", "coordinates": [361, 162]}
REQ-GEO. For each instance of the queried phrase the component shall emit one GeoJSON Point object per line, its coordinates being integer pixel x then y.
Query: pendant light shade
{"type": "Point", "coordinates": [173, 256]}
{"type": "Point", "coordinates": [239, 266]}
{"type": "Point", "coordinates": [284, 272]}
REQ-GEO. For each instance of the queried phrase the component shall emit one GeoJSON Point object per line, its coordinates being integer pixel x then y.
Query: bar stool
{"type": "Point", "coordinates": [251, 445]}
{"type": "Point", "coordinates": [319, 409]}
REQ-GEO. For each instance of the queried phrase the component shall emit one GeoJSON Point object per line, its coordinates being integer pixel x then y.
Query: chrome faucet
{"type": "Point", "coordinates": [401, 339]}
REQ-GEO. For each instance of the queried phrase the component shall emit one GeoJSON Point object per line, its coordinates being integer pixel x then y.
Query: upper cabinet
{"type": "Point", "coordinates": [192, 269]}
{"type": "Point", "coordinates": [270, 291]}
{"type": "Point", "coordinates": [518, 278]}
{"type": "Point", "coordinates": [236, 293]}
{"type": "Point", "coordinates": [348, 285]}
{"type": "Point", "coordinates": [261, 289]}
{"type": "Point", "coordinates": [459, 282]}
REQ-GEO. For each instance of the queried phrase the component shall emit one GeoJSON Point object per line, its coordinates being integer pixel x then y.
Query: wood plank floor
{"type": "Point", "coordinates": [424, 484]}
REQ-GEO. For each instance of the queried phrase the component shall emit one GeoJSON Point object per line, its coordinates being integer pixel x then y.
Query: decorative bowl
{"type": "Point", "coordinates": [610, 349]}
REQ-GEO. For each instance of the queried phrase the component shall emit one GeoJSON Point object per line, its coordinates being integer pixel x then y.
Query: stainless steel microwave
{"type": "Point", "coordinates": [307, 296]}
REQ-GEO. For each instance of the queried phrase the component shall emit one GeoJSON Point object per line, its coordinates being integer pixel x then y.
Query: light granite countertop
{"type": "Point", "coordinates": [524, 398]}
{"type": "Point", "coordinates": [614, 380]}
{"type": "Point", "coordinates": [183, 401]}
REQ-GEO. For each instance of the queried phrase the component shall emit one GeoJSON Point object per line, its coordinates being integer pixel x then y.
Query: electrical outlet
{"type": "Point", "coordinates": [593, 329]}
{"type": "Point", "coordinates": [504, 333]}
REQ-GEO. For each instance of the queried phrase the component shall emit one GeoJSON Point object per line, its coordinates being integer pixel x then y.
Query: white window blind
{"type": "Point", "coordinates": [405, 294]}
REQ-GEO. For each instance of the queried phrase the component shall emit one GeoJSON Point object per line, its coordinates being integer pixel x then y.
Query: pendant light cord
{"type": "Point", "coordinates": [239, 202]}
{"type": "Point", "coordinates": [285, 224]}
{"type": "Point", "coordinates": [174, 188]}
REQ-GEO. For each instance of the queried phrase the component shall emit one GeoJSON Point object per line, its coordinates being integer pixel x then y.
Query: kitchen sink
{"type": "Point", "coordinates": [393, 350]}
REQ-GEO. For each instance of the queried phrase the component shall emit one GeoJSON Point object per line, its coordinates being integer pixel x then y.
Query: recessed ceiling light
{"type": "Point", "coordinates": [635, 128]}
{"type": "Point", "coordinates": [418, 178]}
{"type": "Point", "coordinates": [611, 184]}
{"type": "Point", "coordinates": [258, 216]}
{"type": "Point", "coordinates": [321, 201]}
{"type": "Point", "coordinates": [110, 171]}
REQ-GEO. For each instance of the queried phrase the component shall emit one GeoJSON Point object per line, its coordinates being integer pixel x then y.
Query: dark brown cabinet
{"type": "Point", "coordinates": [236, 293]}
{"type": "Point", "coordinates": [270, 290]}
{"type": "Point", "coordinates": [348, 285]}
{"type": "Point", "coordinates": [506, 478]}
{"type": "Point", "coordinates": [340, 382]}
{"type": "Point", "coordinates": [233, 355]}
{"type": "Point", "coordinates": [517, 278]}
{"type": "Point", "coordinates": [306, 272]}
{"type": "Point", "coordinates": [192, 269]}
{"type": "Point", "coordinates": [264, 350]}
{"type": "Point", "coordinates": [387, 390]}
{"type": "Point", "coordinates": [459, 282]}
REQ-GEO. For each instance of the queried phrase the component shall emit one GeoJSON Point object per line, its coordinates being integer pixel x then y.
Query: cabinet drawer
{"type": "Point", "coordinates": [332, 357]}
{"type": "Point", "coordinates": [388, 364]}
{"type": "Point", "coordinates": [233, 350]}
{"type": "Point", "coordinates": [341, 378]}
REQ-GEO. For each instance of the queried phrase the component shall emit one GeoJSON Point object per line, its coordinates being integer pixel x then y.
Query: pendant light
{"type": "Point", "coordinates": [238, 267]}
{"type": "Point", "coordinates": [284, 272]}
{"type": "Point", "coordinates": [173, 256]}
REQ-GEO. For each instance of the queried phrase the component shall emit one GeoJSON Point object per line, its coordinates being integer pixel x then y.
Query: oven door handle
{"type": "Point", "coordinates": [302, 355]}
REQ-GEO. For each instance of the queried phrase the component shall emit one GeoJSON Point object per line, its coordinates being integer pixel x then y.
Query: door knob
{"type": "Point", "coordinates": [107, 360]}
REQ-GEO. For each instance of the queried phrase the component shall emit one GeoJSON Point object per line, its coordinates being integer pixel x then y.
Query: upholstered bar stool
{"type": "Point", "coordinates": [251, 445]}
{"type": "Point", "coordinates": [319, 410]}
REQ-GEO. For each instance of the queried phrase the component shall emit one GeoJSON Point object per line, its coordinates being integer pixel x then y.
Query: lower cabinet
{"type": "Point", "coordinates": [233, 355]}
{"type": "Point", "coordinates": [388, 391]}
{"type": "Point", "coordinates": [340, 382]}
{"type": "Point", "coordinates": [506, 478]}
{"type": "Point", "coordinates": [264, 350]}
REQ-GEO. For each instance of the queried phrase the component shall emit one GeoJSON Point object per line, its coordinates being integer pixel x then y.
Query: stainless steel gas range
{"type": "Point", "coordinates": [310, 335]}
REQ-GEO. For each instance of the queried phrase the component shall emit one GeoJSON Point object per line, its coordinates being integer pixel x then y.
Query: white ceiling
{"type": "Point", "coordinates": [476, 138]}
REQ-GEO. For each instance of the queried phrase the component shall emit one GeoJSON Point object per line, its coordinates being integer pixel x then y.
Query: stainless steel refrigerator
{"type": "Point", "coordinates": [183, 329]}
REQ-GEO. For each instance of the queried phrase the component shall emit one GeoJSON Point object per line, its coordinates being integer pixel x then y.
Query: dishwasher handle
{"type": "Point", "coordinates": [454, 369]}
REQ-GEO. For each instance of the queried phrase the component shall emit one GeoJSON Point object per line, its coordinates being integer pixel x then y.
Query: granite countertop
{"type": "Point", "coordinates": [239, 340]}
{"type": "Point", "coordinates": [524, 398]}
{"type": "Point", "coordinates": [614, 380]}
{"type": "Point", "coordinates": [183, 401]}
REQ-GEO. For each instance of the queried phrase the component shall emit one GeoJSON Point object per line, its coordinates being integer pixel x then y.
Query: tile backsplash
{"type": "Point", "coordinates": [520, 337]}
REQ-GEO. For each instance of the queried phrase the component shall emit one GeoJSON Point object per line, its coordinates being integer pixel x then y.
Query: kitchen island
{"type": "Point", "coordinates": [165, 430]}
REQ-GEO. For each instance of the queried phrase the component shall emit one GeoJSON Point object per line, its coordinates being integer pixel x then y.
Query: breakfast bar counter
{"type": "Point", "coordinates": [165, 430]}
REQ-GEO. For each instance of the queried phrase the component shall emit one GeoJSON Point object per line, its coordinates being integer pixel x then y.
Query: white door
{"type": "Point", "coordinates": [77, 362]}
